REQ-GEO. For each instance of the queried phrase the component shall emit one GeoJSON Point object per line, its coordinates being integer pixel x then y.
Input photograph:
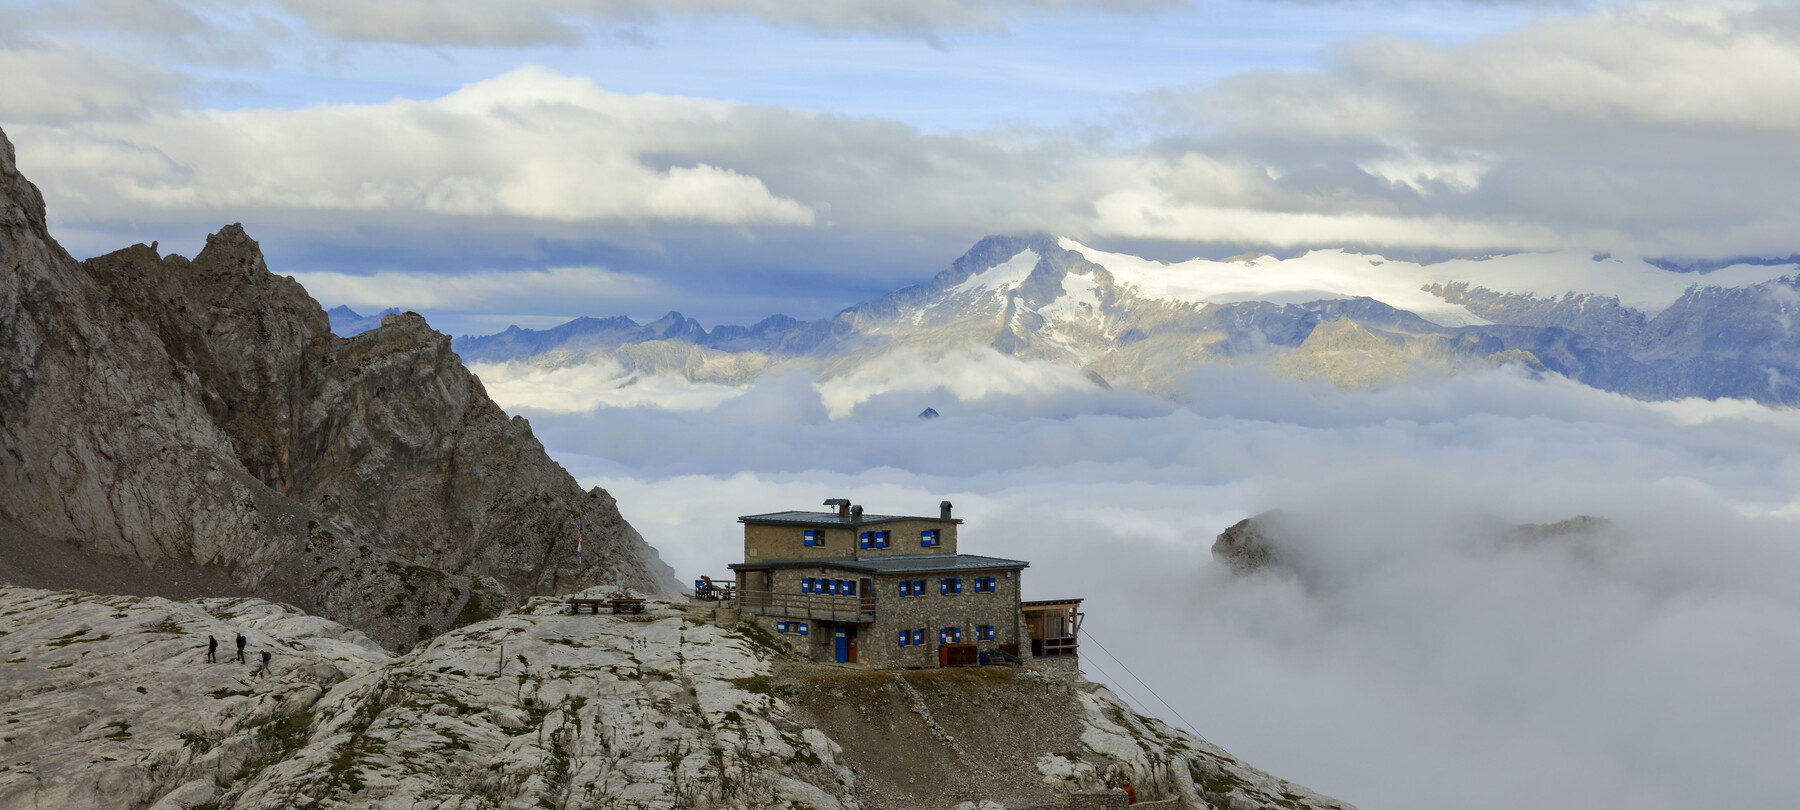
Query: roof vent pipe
{"type": "Point", "coordinates": [943, 510]}
{"type": "Point", "coordinates": [856, 514]}
{"type": "Point", "coordinates": [843, 505]}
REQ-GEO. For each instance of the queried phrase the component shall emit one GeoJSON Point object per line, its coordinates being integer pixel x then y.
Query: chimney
{"type": "Point", "coordinates": [843, 505]}
{"type": "Point", "coordinates": [856, 514]}
{"type": "Point", "coordinates": [943, 510]}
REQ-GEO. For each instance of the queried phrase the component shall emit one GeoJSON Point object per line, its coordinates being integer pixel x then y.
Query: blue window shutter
{"type": "Point", "coordinates": [803, 628]}
{"type": "Point", "coordinates": [863, 539]}
{"type": "Point", "coordinates": [959, 635]}
{"type": "Point", "coordinates": [943, 586]}
{"type": "Point", "coordinates": [959, 584]}
{"type": "Point", "coordinates": [781, 627]}
{"type": "Point", "coordinates": [919, 636]}
{"type": "Point", "coordinates": [902, 638]}
{"type": "Point", "coordinates": [919, 587]}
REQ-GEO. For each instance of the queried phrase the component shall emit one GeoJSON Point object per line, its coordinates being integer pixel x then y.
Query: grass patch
{"type": "Point", "coordinates": [122, 731]}
{"type": "Point", "coordinates": [169, 626]}
{"type": "Point", "coordinates": [765, 685]}
{"type": "Point", "coordinates": [473, 610]}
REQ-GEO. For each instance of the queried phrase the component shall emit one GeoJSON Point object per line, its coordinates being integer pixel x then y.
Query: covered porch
{"type": "Point", "coordinates": [1053, 626]}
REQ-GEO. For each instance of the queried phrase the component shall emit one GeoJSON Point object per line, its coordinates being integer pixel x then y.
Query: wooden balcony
{"type": "Point", "coordinates": [819, 607]}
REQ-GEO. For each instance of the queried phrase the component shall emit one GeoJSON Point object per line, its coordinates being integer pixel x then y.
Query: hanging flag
{"type": "Point", "coordinates": [578, 552]}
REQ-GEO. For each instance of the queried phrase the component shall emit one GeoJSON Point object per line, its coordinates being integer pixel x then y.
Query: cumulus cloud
{"type": "Point", "coordinates": [1648, 126]}
{"type": "Point", "coordinates": [471, 22]}
{"type": "Point", "coordinates": [496, 291]}
{"type": "Point", "coordinates": [1416, 657]}
{"type": "Point", "coordinates": [530, 145]}
{"type": "Point", "coordinates": [62, 81]}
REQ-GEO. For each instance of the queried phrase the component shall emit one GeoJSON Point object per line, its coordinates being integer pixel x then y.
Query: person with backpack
{"type": "Point", "coordinates": [241, 641]}
{"type": "Point", "coordinates": [264, 669]}
{"type": "Point", "coordinates": [212, 649]}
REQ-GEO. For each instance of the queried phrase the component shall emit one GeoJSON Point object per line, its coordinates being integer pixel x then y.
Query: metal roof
{"type": "Point", "coordinates": [831, 519]}
{"type": "Point", "coordinates": [903, 564]}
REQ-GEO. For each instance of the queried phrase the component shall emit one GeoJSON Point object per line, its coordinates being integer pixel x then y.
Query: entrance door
{"type": "Point", "coordinates": [851, 635]}
{"type": "Point", "coordinates": [843, 645]}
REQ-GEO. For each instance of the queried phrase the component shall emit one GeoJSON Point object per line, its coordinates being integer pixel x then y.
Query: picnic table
{"type": "Point", "coordinates": [620, 604]}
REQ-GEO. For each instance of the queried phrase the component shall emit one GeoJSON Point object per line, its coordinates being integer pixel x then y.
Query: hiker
{"type": "Point", "coordinates": [264, 669]}
{"type": "Point", "coordinates": [212, 650]}
{"type": "Point", "coordinates": [1130, 792]}
{"type": "Point", "coordinates": [241, 642]}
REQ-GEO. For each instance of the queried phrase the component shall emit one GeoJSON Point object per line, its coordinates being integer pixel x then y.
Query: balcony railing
{"type": "Point", "coordinates": [1053, 647]}
{"type": "Point", "coordinates": [808, 606]}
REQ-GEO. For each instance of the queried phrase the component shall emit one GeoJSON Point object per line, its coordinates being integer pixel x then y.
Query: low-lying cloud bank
{"type": "Point", "coordinates": [1412, 656]}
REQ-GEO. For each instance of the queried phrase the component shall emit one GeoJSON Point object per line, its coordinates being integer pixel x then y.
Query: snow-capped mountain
{"type": "Point", "coordinates": [1618, 323]}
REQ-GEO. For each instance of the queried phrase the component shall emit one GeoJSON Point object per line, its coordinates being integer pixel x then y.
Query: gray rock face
{"type": "Point", "coordinates": [106, 702]}
{"type": "Point", "coordinates": [197, 422]}
{"type": "Point", "coordinates": [1247, 545]}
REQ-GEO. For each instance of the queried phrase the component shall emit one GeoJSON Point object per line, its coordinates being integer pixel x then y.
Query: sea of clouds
{"type": "Point", "coordinates": [1411, 656]}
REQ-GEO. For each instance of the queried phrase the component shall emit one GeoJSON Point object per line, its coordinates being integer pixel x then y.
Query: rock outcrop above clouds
{"type": "Point", "coordinates": [192, 427]}
{"type": "Point", "coordinates": [108, 702]}
{"type": "Point", "coordinates": [1356, 321]}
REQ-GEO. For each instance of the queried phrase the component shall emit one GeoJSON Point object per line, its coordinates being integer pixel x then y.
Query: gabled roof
{"type": "Point", "coordinates": [831, 520]}
{"type": "Point", "coordinates": [901, 564]}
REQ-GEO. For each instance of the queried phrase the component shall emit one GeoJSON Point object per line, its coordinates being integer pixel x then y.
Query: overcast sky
{"type": "Point", "coordinates": [738, 158]}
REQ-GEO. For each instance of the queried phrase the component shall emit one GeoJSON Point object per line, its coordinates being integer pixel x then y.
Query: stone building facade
{"type": "Point", "coordinates": [880, 590]}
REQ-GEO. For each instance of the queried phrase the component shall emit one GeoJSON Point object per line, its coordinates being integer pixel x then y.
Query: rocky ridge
{"type": "Point", "coordinates": [109, 703]}
{"type": "Point", "coordinates": [192, 427]}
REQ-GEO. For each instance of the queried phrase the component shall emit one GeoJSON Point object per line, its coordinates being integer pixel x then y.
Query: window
{"type": "Point", "coordinates": [781, 627]}
{"type": "Point", "coordinates": [984, 632]}
{"type": "Point", "coordinates": [847, 587]}
{"type": "Point", "coordinates": [949, 586]}
{"type": "Point", "coordinates": [906, 587]}
{"type": "Point", "coordinates": [950, 635]}
{"type": "Point", "coordinates": [863, 539]}
{"type": "Point", "coordinates": [905, 637]}
{"type": "Point", "coordinates": [881, 539]}
{"type": "Point", "coordinates": [984, 584]}
{"type": "Point", "coordinates": [801, 627]}
{"type": "Point", "coordinates": [919, 636]}
{"type": "Point", "coordinates": [928, 538]}
{"type": "Point", "coordinates": [814, 537]}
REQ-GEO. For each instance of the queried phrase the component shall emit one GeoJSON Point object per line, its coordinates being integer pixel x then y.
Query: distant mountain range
{"type": "Point", "coordinates": [1637, 327]}
{"type": "Point", "coordinates": [345, 322]}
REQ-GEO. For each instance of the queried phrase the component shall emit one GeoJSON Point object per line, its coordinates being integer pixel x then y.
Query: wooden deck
{"type": "Point", "coordinates": [808, 606]}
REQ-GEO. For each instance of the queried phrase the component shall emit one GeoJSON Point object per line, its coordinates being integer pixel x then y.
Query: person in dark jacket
{"type": "Point", "coordinates": [241, 641]}
{"type": "Point", "coordinates": [212, 650]}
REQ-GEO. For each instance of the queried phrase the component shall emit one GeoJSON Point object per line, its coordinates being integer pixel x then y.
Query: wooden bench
{"type": "Point", "coordinates": [593, 605]}
{"type": "Point", "coordinates": [623, 605]}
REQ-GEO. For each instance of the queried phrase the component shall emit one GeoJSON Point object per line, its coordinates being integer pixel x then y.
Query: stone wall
{"type": "Point", "coordinates": [771, 542]}
{"type": "Point", "coordinates": [1113, 799]}
{"type": "Point", "coordinates": [880, 641]}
